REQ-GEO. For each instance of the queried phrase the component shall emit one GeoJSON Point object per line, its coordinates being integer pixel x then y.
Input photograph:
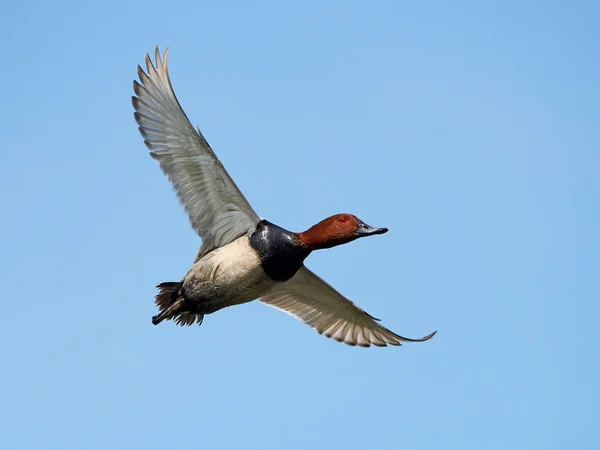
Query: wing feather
{"type": "Point", "coordinates": [310, 299]}
{"type": "Point", "coordinates": [216, 208]}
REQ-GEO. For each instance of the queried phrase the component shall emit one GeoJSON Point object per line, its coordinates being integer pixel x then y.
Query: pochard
{"type": "Point", "coordinates": [242, 257]}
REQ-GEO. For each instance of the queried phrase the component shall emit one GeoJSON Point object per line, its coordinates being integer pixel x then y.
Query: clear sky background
{"type": "Point", "coordinates": [469, 128]}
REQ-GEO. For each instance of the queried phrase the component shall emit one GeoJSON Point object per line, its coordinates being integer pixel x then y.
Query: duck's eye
{"type": "Point", "coordinates": [343, 219]}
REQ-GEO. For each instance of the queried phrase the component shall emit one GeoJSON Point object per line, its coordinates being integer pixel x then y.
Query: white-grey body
{"type": "Point", "coordinates": [230, 275]}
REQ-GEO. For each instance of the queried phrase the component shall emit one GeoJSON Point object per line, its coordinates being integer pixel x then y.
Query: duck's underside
{"type": "Point", "coordinates": [239, 272]}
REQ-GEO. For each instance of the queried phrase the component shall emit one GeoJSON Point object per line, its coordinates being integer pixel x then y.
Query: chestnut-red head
{"type": "Point", "coordinates": [337, 230]}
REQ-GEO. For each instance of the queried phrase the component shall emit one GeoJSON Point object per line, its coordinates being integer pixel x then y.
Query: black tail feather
{"type": "Point", "coordinates": [166, 300]}
{"type": "Point", "coordinates": [168, 293]}
{"type": "Point", "coordinates": [169, 312]}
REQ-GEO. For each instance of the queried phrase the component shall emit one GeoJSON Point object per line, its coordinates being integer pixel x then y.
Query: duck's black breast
{"type": "Point", "coordinates": [280, 252]}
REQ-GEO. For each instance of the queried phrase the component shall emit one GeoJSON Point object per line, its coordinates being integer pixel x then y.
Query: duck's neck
{"type": "Point", "coordinates": [280, 251]}
{"type": "Point", "coordinates": [310, 240]}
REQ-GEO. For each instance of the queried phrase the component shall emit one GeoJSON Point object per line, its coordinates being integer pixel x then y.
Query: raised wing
{"type": "Point", "coordinates": [310, 299]}
{"type": "Point", "coordinates": [215, 206]}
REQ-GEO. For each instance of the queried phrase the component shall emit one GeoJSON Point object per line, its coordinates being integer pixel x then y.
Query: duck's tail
{"type": "Point", "coordinates": [168, 301]}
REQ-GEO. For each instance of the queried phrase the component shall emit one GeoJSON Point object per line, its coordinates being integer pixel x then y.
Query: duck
{"type": "Point", "coordinates": [242, 257]}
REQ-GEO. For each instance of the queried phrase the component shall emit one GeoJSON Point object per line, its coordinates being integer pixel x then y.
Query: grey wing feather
{"type": "Point", "coordinates": [310, 299]}
{"type": "Point", "coordinates": [216, 208]}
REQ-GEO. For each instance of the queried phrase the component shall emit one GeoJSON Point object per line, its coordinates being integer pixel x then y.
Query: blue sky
{"type": "Point", "coordinates": [470, 129]}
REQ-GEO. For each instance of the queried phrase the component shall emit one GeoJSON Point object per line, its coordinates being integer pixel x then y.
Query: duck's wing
{"type": "Point", "coordinates": [215, 206]}
{"type": "Point", "coordinates": [310, 299]}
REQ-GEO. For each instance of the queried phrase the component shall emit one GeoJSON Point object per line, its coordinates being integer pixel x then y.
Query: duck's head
{"type": "Point", "coordinates": [337, 230]}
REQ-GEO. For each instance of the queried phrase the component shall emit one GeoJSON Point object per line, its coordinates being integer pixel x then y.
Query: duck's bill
{"type": "Point", "coordinates": [366, 230]}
